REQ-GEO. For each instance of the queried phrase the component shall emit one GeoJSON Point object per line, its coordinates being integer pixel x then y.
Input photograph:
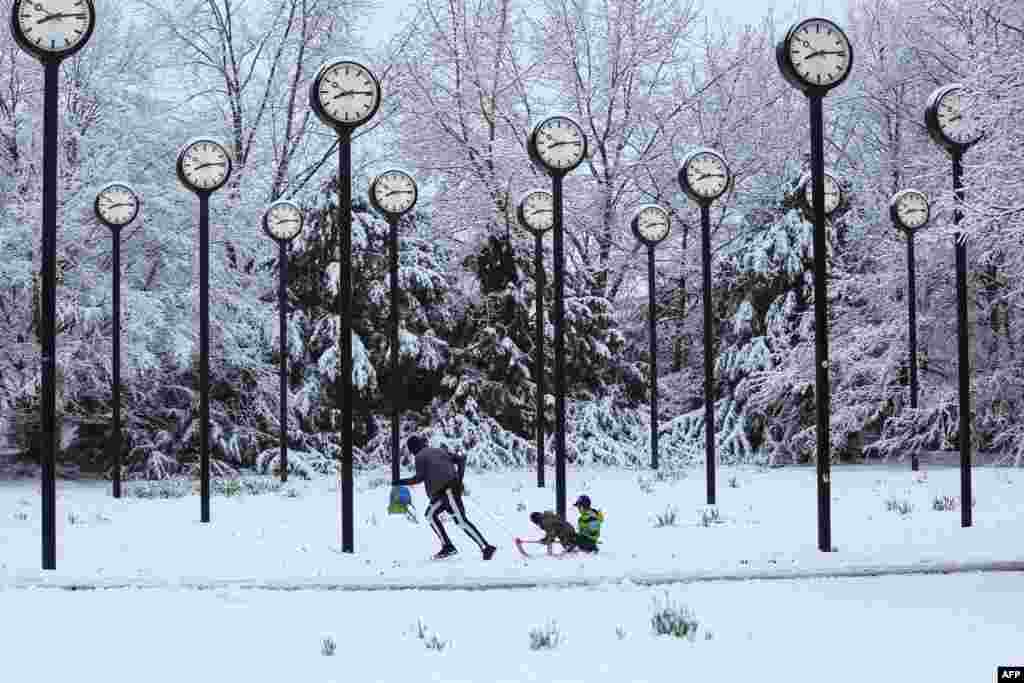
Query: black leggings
{"type": "Point", "coordinates": [448, 501]}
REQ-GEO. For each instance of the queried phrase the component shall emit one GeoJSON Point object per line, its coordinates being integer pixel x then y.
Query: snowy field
{"type": "Point", "coordinates": [940, 629]}
{"type": "Point", "coordinates": [936, 628]}
{"type": "Point", "coordinates": [766, 521]}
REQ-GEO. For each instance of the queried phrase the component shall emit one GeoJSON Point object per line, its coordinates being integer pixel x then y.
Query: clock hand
{"type": "Point", "coordinates": [563, 142]}
{"type": "Point", "coordinates": [710, 175]}
{"type": "Point", "coordinates": [114, 206]}
{"type": "Point", "coordinates": [540, 211]}
{"type": "Point", "coordinates": [344, 93]}
{"type": "Point", "coordinates": [60, 15]}
{"type": "Point", "coordinates": [209, 163]}
{"type": "Point", "coordinates": [391, 192]}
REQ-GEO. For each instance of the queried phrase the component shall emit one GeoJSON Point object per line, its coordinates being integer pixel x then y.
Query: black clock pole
{"type": "Point", "coordinates": [396, 387]}
{"type": "Point", "coordinates": [343, 380]}
{"type": "Point", "coordinates": [559, 321]}
{"type": "Point", "coordinates": [652, 336]}
{"type": "Point", "coordinates": [538, 349]}
{"type": "Point", "coordinates": [282, 306]}
{"type": "Point", "coordinates": [48, 335]}
{"type": "Point", "coordinates": [709, 351]}
{"type": "Point", "coordinates": [821, 379]}
{"type": "Point", "coordinates": [204, 355]}
{"type": "Point", "coordinates": [912, 317]}
{"type": "Point", "coordinates": [964, 349]}
{"type": "Point", "coordinates": [115, 436]}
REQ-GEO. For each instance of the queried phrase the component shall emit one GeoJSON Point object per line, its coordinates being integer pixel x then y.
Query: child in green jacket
{"type": "Point", "coordinates": [590, 520]}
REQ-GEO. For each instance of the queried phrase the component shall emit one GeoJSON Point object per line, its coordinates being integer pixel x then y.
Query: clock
{"type": "Point", "coordinates": [537, 211]}
{"type": "Point", "coordinates": [704, 176]}
{"type": "Point", "coordinates": [947, 122]}
{"type": "Point", "coordinates": [393, 192]}
{"type": "Point", "coordinates": [282, 221]}
{"type": "Point", "coordinates": [52, 29]}
{"type": "Point", "coordinates": [833, 192]}
{"type": "Point", "coordinates": [814, 55]}
{"type": "Point", "coordinates": [558, 144]}
{"type": "Point", "coordinates": [344, 94]}
{"type": "Point", "coordinates": [909, 210]}
{"type": "Point", "coordinates": [651, 224]}
{"type": "Point", "coordinates": [204, 165]}
{"type": "Point", "coordinates": [116, 205]}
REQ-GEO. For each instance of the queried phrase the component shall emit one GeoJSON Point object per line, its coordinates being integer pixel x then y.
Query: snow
{"type": "Point", "coordinates": [259, 548]}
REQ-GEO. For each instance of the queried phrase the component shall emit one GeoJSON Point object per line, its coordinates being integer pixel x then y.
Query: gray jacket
{"type": "Point", "coordinates": [436, 468]}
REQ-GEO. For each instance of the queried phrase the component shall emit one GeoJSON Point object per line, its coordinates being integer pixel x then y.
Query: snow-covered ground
{"type": "Point", "coordinates": [940, 629]}
{"type": "Point", "coordinates": [937, 628]}
{"type": "Point", "coordinates": [766, 522]}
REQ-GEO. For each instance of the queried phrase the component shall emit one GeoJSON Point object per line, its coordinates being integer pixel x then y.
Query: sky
{"type": "Point", "coordinates": [389, 13]}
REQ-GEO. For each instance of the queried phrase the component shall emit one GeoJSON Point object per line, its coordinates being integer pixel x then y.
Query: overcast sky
{"type": "Point", "coordinates": [390, 12]}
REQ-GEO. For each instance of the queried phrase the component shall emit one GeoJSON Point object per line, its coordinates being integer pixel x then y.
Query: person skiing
{"type": "Point", "coordinates": [555, 529]}
{"type": "Point", "coordinates": [590, 520]}
{"type": "Point", "coordinates": [441, 474]}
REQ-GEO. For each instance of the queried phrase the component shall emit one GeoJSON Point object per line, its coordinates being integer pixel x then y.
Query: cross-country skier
{"type": "Point", "coordinates": [441, 473]}
{"type": "Point", "coordinates": [589, 533]}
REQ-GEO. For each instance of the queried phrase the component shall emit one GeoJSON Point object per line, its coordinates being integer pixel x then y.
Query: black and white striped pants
{"type": "Point", "coordinates": [448, 501]}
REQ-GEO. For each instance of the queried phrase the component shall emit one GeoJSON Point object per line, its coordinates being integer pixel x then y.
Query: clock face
{"type": "Point", "coordinates": [54, 26]}
{"type": "Point", "coordinates": [819, 52]}
{"type": "Point", "coordinates": [537, 211]}
{"type": "Point", "coordinates": [955, 124]}
{"type": "Point", "coordinates": [394, 192]}
{"type": "Point", "coordinates": [706, 175]}
{"type": "Point", "coordinates": [833, 193]}
{"type": "Point", "coordinates": [347, 92]}
{"type": "Point", "coordinates": [651, 223]}
{"type": "Point", "coordinates": [283, 221]}
{"type": "Point", "coordinates": [117, 205]}
{"type": "Point", "coordinates": [204, 165]}
{"type": "Point", "coordinates": [911, 209]}
{"type": "Point", "coordinates": [560, 143]}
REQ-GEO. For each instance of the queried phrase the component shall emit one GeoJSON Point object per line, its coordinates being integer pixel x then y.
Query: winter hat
{"type": "Point", "coordinates": [583, 501]}
{"type": "Point", "coordinates": [536, 518]}
{"type": "Point", "coordinates": [415, 443]}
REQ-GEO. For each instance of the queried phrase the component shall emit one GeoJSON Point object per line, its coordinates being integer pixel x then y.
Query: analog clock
{"type": "Point", "coordinates": [559, 144]}
{"type": "Point", "coordinates": [537, 211]}
{"type": "Point", "coordinates": [52, 29]}
{"type": "Point", "coordinates": [833, 192]}
{"type": "Point", "coordinates": [814, 55]}
{"type": "Point", "coordinates": [651, 224]}
{"type": "Point", "coordinates": [116, 205]}
{"type": "Point", "coordinates": [344, 94]}
{"type": "Point", "coordinates": [909, 210]}
{"type": "Point", "coordinates": [947, 121]}
{"type": "Point", "coordinates": [282, 221]}
{"type": "Point", "coordinates": [204, 165]}
{"type": "Point", "coordinates": [393, 192]}
{"type": "Point", "coordinates": [704, 176]}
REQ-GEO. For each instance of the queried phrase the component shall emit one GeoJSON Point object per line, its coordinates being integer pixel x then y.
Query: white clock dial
{"type": "Point", "coordinates": [707, 175]}
{"type": "Point", "coordinates": [348, 93]}
{"type": "Point", "coordinates": [911, 209]}
{"type": "Point", "coordinates": [117, 204]}
{"type": "Point", "coordinates": [819, 52]}
{"type": "Point", "coordinates": [560, 143]}
{"type": "Point", "coordinates": [538, 211]}
{"type": "Point", "coordinates": [205, 165]}
{"type": "Point", "coordinates": [283, 221]}
{"type": "Point", "coordinates": [54, 26]}
{"type": "Point", "coordinates": [652, 223]}
{"type": "Point", "coordinates": [956, 125]}
{"type": "Point", "coordinates": [394, 192]}
{"type": "Point", "coordinates": [833, 193]}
